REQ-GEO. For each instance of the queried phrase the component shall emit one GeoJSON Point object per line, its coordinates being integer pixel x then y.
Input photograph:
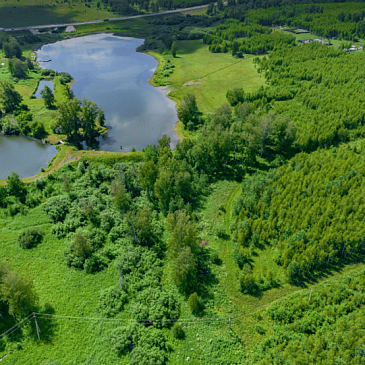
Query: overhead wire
{"type": "Point", "coordinates": [110, 320]}
{"type": "Point", "coordinates": [18, 325]}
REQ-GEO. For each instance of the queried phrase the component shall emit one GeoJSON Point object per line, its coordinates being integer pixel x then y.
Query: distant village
{"type": "Point", "coordinates": [319, 40]}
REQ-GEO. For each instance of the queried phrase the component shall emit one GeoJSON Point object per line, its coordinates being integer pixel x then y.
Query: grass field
{"type": "Point", "coordinates": [66, 291]}
{"type": "Point", "coordinates": [210, 75]}
{"type": "Point", "coordinates": [19, 13]}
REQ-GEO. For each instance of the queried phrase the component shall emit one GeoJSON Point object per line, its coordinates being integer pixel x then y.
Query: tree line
{"type": "Point", "coordinates": [326, 327]}
{"type": "Point", "coordinates": [309, 212]}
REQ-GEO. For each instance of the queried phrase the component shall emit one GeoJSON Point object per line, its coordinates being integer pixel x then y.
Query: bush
{"type": "Point", "coordinates": [95, 263]}
{"type": "Point", "coordinates": [57, 207]}
{"type": "Point", "coordinates": [111, 301]}
{"type": "Point", "coordinates": [293, 272]}
{"type": "Point", "coordinates": [30, 237]}
{"type": "Point", "coordinates": [195, 304]}
{"type": "Point", "coordinates": [16, 208]}
{"type": "Point", "coordinates": [47, 72]}
{"type": "Point", "coordinates": [248, 284]}
{"type": "Point", "coordinates": [64, 77]}
{"type": "Point", "coordinates": [178, 331]}
{"type": "Point", "coordinates": [121, 339]}
{"type": "Point", "coordinates": [260, 330]}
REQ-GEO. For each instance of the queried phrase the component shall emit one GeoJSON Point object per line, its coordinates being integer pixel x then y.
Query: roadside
{"type": "Point", "coordinates": [104, 20]}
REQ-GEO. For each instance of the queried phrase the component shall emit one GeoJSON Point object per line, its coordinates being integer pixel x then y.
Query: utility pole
{"type": "Point", "coordinates": [36, 325]}
{"type": "Point", "coordinates": [310, 295]}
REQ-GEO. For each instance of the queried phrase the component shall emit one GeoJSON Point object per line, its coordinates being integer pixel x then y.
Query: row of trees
{"type": "Point", "coordinates": [325, 328]}
{"type": "Point", "coordinates": [310, 211]}
{"type": "Point", "coordinates": [327, 84]}
{"type": "Point", "coordinates": [240, 38]}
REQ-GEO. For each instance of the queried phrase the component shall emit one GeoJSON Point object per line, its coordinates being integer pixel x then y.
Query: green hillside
{"type": "Point", "coordinates": [244, 245]}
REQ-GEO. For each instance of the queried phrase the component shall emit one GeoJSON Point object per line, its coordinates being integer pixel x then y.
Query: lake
{"type": "Point", "coordinates": [108, 70]}
{"type": "Point", "coordinates": [26, 156]}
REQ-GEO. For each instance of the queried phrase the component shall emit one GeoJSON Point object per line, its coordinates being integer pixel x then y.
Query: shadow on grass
{"type": "Point", "coordinates": [28, 328]}
{"type": "Point", "coordinates": [328, 271]}
{"type": "Point", "coordinates": [188, 47]}
{"type": "Point", "coordinates": [46, 325]}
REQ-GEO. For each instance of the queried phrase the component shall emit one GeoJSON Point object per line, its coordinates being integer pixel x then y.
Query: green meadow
{"type": "Point", "coordinates": [209, 75]}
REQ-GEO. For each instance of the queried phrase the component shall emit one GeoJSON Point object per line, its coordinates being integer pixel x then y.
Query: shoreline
{"type": "Point", "coordinates": [166, 91]}
{"type": "Point", "coordinates": [55, 164]}
{"type": "Point", "coordinates": [163, 88]}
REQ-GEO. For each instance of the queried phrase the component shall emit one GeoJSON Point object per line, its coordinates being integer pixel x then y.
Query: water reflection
{"type": "Point", "coordinates": [41, 86]}
{"type": "Point", "coordinates": [25, 156]}
{"type": "Point", "coordinates": [109, 71]}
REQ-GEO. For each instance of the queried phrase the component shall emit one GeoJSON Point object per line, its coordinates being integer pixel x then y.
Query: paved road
{"type": "Point", "coordinates": [101, 21]}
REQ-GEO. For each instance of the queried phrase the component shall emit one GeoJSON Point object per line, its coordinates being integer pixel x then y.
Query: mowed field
{"type": "Point", "coordinates": [19, 13]}
{"type": "Point", "coordinates": [209, 75]}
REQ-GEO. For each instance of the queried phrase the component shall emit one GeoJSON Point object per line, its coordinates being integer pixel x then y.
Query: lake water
{"type": "Point", "coordinates": [41, 86]}
{"type": "Point", "coordinates": [25, 156]}
{"type": "Point", "coordinates": [108, 70]}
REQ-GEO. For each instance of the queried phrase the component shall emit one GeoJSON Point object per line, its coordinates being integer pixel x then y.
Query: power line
{"type": "Point", "coordinates": [17, 326]}
{"type": "Point", "coordinates": [115, 320]}
{"type": "Point", "coordinates": [172, 320]}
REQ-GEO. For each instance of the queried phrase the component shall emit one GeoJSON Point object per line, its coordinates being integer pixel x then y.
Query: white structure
{"type": "Point", "coordinates": [70, 28]}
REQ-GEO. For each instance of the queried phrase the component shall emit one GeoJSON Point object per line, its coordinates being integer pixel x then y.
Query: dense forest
{"type": "Point", "coordinates": [309, 211]}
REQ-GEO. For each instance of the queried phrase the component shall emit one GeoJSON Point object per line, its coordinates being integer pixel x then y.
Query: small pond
{"type": "Point", "coordinates": [41, 86]}
{"type": "Point", "coordinates": [108, 70]}
{"type": "Point", "coordinates": [26, 156]}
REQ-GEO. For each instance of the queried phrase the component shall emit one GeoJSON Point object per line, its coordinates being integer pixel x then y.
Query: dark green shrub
{"type": "Point", "coordinates": [16, 208]}
{"type": "Point", "coordinates": [30, 237]}
{"type": "Point", "coordinates": [3, 196]}
{"type": "Point", "coordinates": [260, 330]}
{"type": "Point", "coordinates": [95, 263]}
{"type": "Point", "coordinates": [78, 250]}
{"type": "Point", "coordinates": [64, 77]}
{"type": "Point", "coordinates": [47, 72]}
{"type": "Point", "coordinates": [195, 304]}
{"type": "Point", "coordinates": [248, 284]}
{"type": "Point", "coordinates": [121, 339]}
{"type": "Point", "coordinates": [57, 207]}
{"type": "Point", "coordinates": [293, 272]}
{"type": "Point", "coordinates": [111, 301]}
{"type": "Point", "coordinates": [40, 183]}
{"type": "Point", "coordinates": [178, 331]}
